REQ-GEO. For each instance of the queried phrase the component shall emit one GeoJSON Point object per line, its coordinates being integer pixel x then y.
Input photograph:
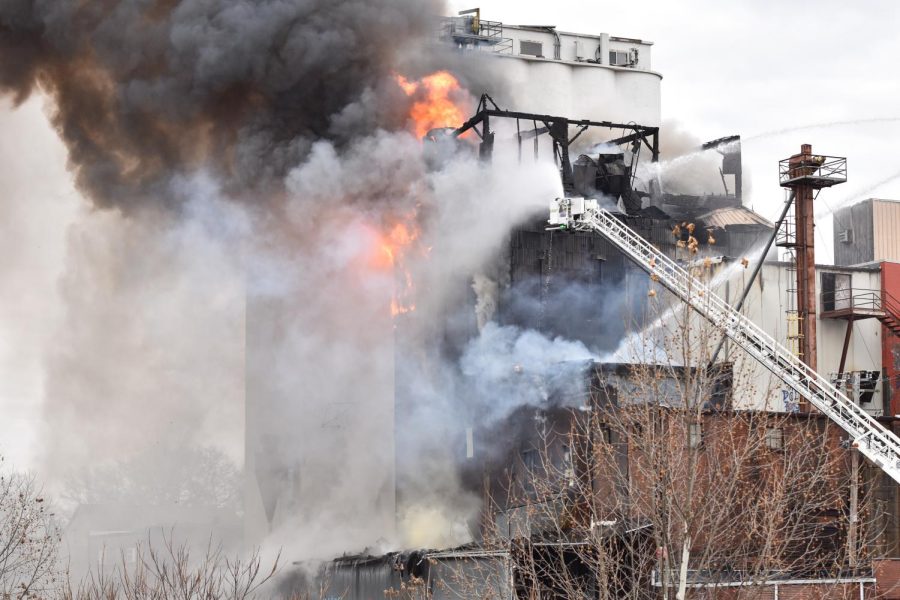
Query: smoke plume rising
{"type": "Point", "coordinates": [144, 90]}
{"type": "Point", "coordinates": [224, 286]}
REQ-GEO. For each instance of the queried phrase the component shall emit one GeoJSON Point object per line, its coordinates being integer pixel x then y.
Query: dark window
{"type": "Point", "coordinates": [619, 57]}
{"type": "Point", "coordinates": [827, 291]}
{"type": "Point", "coordinates": [531, 48]}
{"type": "Point", "coordinates": [868, 384]}
{"type": "Point", "coordinates": [530, 459]}
{"type": "Point", "coordinates": [774, 438]}
{"type": "Point", "coordinates": [836, 291]}
{"type": "Point", "coordinates": [530, 463]}
{"type": "Point", "coordinates": [606, 434]}
{"type": "Point", "coordinates": [695, 435]}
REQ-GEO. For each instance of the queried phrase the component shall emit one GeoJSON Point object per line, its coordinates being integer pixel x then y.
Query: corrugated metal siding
{"type": "Point", "coordinates": [734, 215]}
{"type": "Point", "coordinates": [890, 350]}
{"type": "Point", "coordinates": [858, 219]}
{"type": "Point", "coordinates": [886, 221]}
{"type": "Point", "coordinates": [573, 255]}
{"type": "Point", "coordinates": [556, 274]}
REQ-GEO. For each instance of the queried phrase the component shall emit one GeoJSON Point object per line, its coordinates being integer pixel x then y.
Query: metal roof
{"type": "Point", "coordinates": [734, 215]}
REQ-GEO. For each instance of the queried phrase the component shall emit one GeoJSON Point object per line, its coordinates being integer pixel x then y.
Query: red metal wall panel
{"type": "Point", "coordinates": [890, 343]}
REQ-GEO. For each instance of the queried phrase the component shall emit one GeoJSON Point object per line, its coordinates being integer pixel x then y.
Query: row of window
{"type": "Point", "coordinates": [774, 437]}
{"type": "Point", "coordinates": [774, 440]}
{"type": "Point", "coordinates": [617, 58]}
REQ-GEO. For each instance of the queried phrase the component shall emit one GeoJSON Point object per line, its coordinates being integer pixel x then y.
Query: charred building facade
{"type": "Point", "coordinates": [570, 488]}
{"type": "Point", "coordinates": [577, 499]}
{"type": "Point", "coordinates": [540, 276]}
{"type": "Point", "coordinates": [547, 275]}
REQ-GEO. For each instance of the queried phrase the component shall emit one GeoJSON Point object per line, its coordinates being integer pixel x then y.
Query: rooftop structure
{"type": "Point", "coordinates": [541, 58]}
{"type": "Point", "coordinates": [545, 42]}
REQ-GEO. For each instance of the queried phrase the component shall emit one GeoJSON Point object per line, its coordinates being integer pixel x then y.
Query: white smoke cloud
{"type": "Point", "coordinates": [264, 332]}
{"type": "Point", "coordinates": [36, 207]}
{"type": "Point", "coordinates": [150, 350]}
{"type": "Point", "coordinates": [683, 167]}
{"type": "Point", "coordinates": [260, 328]}
{"type": "Point", "coordinates": [330, 370]}
{"type": "Point", "coordinates": [190, 328]}
{"type": "Point", "coordinates": [510, 367]}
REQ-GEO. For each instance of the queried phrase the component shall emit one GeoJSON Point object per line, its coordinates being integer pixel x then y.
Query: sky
{"type": "Point", "coordinates": [745, 67]}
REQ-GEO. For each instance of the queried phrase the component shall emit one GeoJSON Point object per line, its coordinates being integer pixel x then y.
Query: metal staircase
{"type": "Point", "coordinates": [858, 304]}
{"type": "Point", "coordinates": [891, 309]}
{"type": "Point", "coordinates": [874, 441]}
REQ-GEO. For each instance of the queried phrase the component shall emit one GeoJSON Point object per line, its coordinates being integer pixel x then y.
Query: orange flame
{"type": "Point", "coordinates": [394, 244]}
{"type": "Point", "coordinates": [437, 103]}
{"type": "Point", "coordinates": [400, 309]}
{"type": "Point", "coordinates": [389, 253]}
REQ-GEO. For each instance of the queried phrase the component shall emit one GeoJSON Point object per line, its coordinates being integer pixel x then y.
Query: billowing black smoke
{"type": "Point", "coordinates": [148, 89]}
{"type": "Point", "coordinates": [236, 297]}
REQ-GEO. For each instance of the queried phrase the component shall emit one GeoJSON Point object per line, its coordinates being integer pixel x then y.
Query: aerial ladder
{"type": "Point", "coordinates": [872, 439]}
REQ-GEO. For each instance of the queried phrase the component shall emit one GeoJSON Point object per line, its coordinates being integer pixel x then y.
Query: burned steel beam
{"type": "Point", "coordinates": [557, 127]}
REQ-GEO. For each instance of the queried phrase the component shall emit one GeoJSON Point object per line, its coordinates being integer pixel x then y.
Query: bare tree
{"type": "Point", "coordinates": [29, 539]}
{"type": "Point", "coordinates": [171, 572]}
{"type": "Point", "coordinates": [653, 486]}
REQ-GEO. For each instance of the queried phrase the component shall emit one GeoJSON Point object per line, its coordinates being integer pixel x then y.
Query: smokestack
{"type": "Point", "coordinates": [805, 174]}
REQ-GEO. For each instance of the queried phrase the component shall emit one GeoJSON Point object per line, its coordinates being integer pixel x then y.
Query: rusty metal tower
{"type": "Point", "coordinates": [806, 174]}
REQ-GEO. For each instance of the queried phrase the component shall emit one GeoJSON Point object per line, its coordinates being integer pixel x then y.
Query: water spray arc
{"type": "Point", "coordinates": [740, 303]}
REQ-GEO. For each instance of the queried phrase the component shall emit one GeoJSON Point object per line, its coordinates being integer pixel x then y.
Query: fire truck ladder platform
{"type": "Point", "coordinates": [873, 440]}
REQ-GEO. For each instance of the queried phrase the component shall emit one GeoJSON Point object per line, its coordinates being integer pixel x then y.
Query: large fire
{"type": "Point", "coordinates": [392, 250]}
{"type": "Point", "coordinates": [397, 240]}
{"type": "Point", "coordinates": [438, 101]}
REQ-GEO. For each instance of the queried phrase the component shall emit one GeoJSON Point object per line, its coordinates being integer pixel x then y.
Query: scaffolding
{"type": "Point", "coordinates": [469, 32]}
